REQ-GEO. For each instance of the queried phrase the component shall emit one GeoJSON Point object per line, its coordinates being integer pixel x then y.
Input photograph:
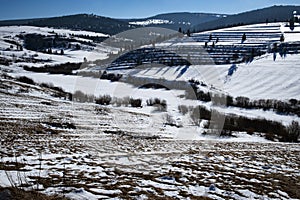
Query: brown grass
{"type": "Point", "coordinates": [18, 194]}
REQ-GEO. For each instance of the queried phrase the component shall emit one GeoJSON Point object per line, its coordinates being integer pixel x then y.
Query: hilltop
{"type": "Point", "coordinates": [194, 21]}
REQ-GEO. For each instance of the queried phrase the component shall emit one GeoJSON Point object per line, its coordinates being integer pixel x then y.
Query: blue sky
{"type": "Point", "coordinates": [18, 9]}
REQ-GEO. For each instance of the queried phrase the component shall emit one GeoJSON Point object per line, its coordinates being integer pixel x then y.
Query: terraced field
{"type": "Point", "coordinates": [223, 46]}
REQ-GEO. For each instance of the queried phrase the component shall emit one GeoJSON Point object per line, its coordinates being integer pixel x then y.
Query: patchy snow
{"type": "Point", "coordinates": [70, 55]}
{"type": "Point", "coordinates": [15, 30]}
{"type": "Point", "coordinates": [151, 21]}
{"type": "Point", "coordinates": [113, 148]}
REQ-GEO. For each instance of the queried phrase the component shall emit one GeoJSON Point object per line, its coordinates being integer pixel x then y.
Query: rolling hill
{"type": "Point", "coordinates": [76, 22]}
{"type": "Point", "coordinates": [184, 20]}
{"type": "Point", "coordinates": [270, 14]}
{"type": "Point", "coordinates": [111, 26]}
{"type": "Point", "coordinates": [194, 21]}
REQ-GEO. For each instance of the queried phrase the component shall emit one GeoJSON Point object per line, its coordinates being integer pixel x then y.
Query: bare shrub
{"type": "Point", "coordinates": [292, 133]}
{"type": "Point", "coordinates": [103, 100]}
{"type": "Point", "coordinates": [94, 74]}
{"type": "Point", "coordinates": [25, 79]}
{"type": "Point", "coordinates": [183, 109]}
{"type": "Point", "coordinates": [81, 97]}
{"type": "Point", "coordinates": [117, 102]}
{"type": "Point", "coordinates": [170, 121]}
{"type": "Point", "coordinates": [135, 102]}
{"type": "Point", "coordinates": [195, 116]}
{"type": "Point", "coordinates": [126, 101]}
{"type": "Point", "coordinates": [161, 105]}
{"type": "Point", "coordinates": [102, 110]}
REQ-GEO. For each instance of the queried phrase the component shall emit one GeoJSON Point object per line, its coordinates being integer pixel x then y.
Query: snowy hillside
{"type": "Point", "coordinates": [15, 30]}
{"type": "Point", "coordinates": [9, 40]}
{"type": "Point", "coordinates": [276, 13]}
{"type": "Point", "coordinates": [151, 21]}
{"type": "Point", "coordinates": [84, 150]}
{"type": "Point", "coordinates": [86, 22]}
{"type": "Point", "coordinates": [264, 77]}
{"type": "Point", "coordinates": [174, 21]}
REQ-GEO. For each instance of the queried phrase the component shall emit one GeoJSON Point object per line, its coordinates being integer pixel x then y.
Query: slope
{"type": "Point", "coordinates": [263, 77]}
{"type": "Point", "coordinates": [183, 20]}
{"type": "Point", "coordinates": [270, 14]}
{"type": "Point", "coordinates": [76, 22]}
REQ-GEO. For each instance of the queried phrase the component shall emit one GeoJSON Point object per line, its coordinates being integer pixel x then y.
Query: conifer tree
{"type": "Point", "coordinates": [282, 38]}
{"type": "Point", "coordinates": [244, 37]}
{"type": "Point", "coordinates": [292, 24]}
{"type": "Point", "coordinates": [188, 33]}
{"type": "Point", "coordinates": [180, 30]}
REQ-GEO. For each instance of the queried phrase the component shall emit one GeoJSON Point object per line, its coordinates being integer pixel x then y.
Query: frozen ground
{"type": "Point", "coordinates": [85, 151]}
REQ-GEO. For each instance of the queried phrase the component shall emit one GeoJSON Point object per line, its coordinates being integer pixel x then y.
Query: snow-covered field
{"type": "Point", "coordinates": [97, 157]}
{"type": "Point", "coordinates": [261, 79]}
{"type": "Point", "coordinates": [99, 87]}
{"type": "Point", "coordinates": [11, 33]}
{"type": "Point", "coordinates": [88, 151]}
{"type": "Point", "coordinates": [15, 30]}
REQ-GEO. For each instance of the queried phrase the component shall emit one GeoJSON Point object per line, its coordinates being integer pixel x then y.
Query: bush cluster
{"type": "Point", "coordinates": [135, 102]}
{"type": "Point", "coordinates": [161, 105]}
{"type": "Point", "coordinates": [65, 68]}
{"type": "Point", "coordinates": [126, 101]}
{"type": "Point", "coordinates": [283, 107]}
{"type": "Point", "coordinates": [81, 97]}
{"type": "Point", "coordinates": [110, 76]}
{"type": "Point", "coordinates": [25, 79]}
{"type": "Point", "coordinates": [103, 100]}
{"type": "Point", "coordinates": [272, 129]}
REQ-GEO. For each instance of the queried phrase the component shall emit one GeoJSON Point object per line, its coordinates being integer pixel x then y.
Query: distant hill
{"type": "Point", "coordinates": [77, 22]}
{"type": "Point", "coordinates": [184, 20]}
{"type": "Point", "coordinates": [18, 22]}
{"type": "Point", "coordinates": [270, 14]}
{"type": "Point", "coordinates": [194, 21]}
